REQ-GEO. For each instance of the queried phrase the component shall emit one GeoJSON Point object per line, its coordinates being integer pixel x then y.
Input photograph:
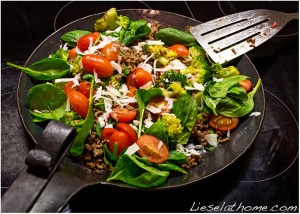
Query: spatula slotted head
{"type": "Point", "coordinates": [230, 36]}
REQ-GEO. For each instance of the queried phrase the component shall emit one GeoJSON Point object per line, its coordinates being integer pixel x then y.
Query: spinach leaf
{"type": "Point", "coordinates": [231, 107]}
{"type": "Point", "coordinates": [177, 157]}
{"type": "Point", "coordinates": [137, 29]}
{"type": "Point", "coordinates": [220, 89]}
{"type": "Point", "coordinates": [185, 109]}
{"type": "Point", "coordinates": [45, 69]}
{"type": "Point", "coordinates": [237, 93]}
{"type": "Point", "coordinates": [211, 102]}
{"type": "Point", "coordinates": [48, 99]}
{"type": "Point", "coordinates": [159, 130]}
{"type": "Point", "coordinates": [143, 97]}
{"type": "Point", "coordinates": [78, 144]}
{"type": "Point", "coordinates": [110, 158]}
{"type": "Point", "coordinates": [168, 166]}
{"type": "Point", "coordinates": [136, 173]}
{"type": "Point", "coordinates": [71, 37]}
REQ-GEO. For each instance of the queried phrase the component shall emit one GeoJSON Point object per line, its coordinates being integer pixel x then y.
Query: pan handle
{"type": "Point", "coordinates": [42, 162]}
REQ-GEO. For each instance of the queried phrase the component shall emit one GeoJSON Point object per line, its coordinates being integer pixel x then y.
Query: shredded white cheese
{"type": "Point", "coordinates": [68, 106]}
{"type": "Point", "coordinates": [212, 139]}
{"type": "Point", "coordinates": [255, 114]}
{"type": "Point", "coordinates": [132, 149]}
{"type": "Point", "coordinates": [174, 65]}
{"type": "Point", "coordinates": [116, 66]}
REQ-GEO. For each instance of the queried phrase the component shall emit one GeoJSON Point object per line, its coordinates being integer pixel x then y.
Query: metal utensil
{"type": "Point", "coordinates": [230, 36]}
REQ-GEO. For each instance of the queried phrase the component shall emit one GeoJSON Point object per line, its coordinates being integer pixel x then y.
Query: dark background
{"type": "Point", "coordinates": [24, 25]}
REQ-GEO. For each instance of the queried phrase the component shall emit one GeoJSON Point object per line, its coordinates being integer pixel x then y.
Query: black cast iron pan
{"type": "Point", "coordinates": [74, 176]}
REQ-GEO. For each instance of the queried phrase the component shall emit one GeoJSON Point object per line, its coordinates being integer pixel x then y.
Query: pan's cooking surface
{"type": "Point", "coordinates": [249, 181]}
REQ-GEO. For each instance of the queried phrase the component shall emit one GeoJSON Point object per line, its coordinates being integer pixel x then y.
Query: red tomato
{"type": "Point", "coordinates": [84, 87]}
{"type": "Point", "coordinates": [181, 50]}
{"type": "Point", "coordinates": [246, 84]}
{"type": "Point", "coordinates": [107, 133]}
{"type": "Point", "coordinates": [83, 42]}
{"type": "Point", "coordinates": [97, 63]}
{"type": "Point", "coordinates": [149, 148]}
{"type": "Point", "coordinates": [110, 52]}
{"type": "Point", "coordinates": [126, 128]}
{"type": "Point", "coordinates": [122, 140]}
{"type": "Point", "coordinates": [70, 87]}
{"type": "Point", "coordinates": [223, 123]}
{"type": "Point", "coordinates": [130, 81]}
{"type": "Point", "coordinates": [72, 54]}
{"type": "Point", "coordinates": [123, 115]}
{"type": "Point", "coordinates": [79, 102]}
{"type": "Point", "coordinates": [141, 77]}
{"type": "Point", "coordinates": [131, 91]}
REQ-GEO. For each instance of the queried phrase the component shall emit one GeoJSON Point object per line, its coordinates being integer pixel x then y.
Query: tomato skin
{"type": "Point", "coordinates": [84, 88]}
{"type": "Point", "coordinates": [180, 50]}
{"type": "Point", "coordinates": [69, 87]}
{"type": "Point", "coordinates": [97, 63]}
{"type": "Point", "coordinates": [149, 148]}
{"type": "Point", "coordinates": [127, 129]}
{"type": "Point", "coordinates": [246, 84]}
{"type": "Point", "coordinates": [72, 54]}
{"type": "Point", "coordinates": [110, 51]}
{"type": "Point", "coordinates": [107, 133]}
{"type": "Point", "coordinates": [123, 115]}
{"type": "Point", "coordinates": [223, 123]}
{"type": "Point", "coordinates": [121, 138]}
{"type": "Point", "coordinates": [83, 42]}
{"type": "Point", "coordinates": [79, 102]}
{"type": "Point", "coordinates": [142, 77]}
{"type": "Point", "coordinates": [131, 91]}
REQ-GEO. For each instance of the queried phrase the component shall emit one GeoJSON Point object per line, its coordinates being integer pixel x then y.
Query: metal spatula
{"type": "Point", "coordinates": [230, 36]}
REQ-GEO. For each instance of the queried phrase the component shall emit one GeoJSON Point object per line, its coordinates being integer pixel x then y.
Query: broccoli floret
{"type": "Point", "coordinates": [219, 71]}
{"type": "Point", "coordinates": [171, 76]}
{"type": "Point", "coordinates": [123, 21]}
{"type": "Point", "coordinates": [197, 52]}
{"type": "Point", "coordinates": [175, 90]}
{"type": "Point", "coordinates": [107, 22]}
{"type": "Point", "coordinates": [161, 53]}
{"type": "Point", "coordinates": [201, 75]}
{"type": "Point", "coordinates": [173, 125]}
{"type": "Point", "coordinates": [61, 54]}
{"type": "Point", "coordinates": [76, 65]}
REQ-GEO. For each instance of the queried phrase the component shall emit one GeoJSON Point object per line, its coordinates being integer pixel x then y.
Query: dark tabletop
{"type": "Point", "coordinates": [267, 175]}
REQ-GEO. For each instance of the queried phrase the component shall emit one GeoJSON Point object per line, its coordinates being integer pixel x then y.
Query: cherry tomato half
{"type": "Point", "coordinates": [107, 133]}
{"type": "Point", "coordinates": [110, 51]}
{"type": "Point", "coordinates": [123, 115]}
{"type": "Point", "coordinates": [72, 54]}
{"type": "Point", "coordinates": [126, 128]}
{"type": "Point", "coordinates": [142, 77]}
{"type": "Point", "coordinates": [79, 102]}
{"type": "Point", "coordinates": [122, 140]}
{"type": "Point", "coordinates": [84, 88]}
{"type": "Point", "coordinates": [246, 84]}
{"type": "Point", "coordinates": [83, 42]}
{"type": "Point", "coordinates": [97, 63]}
{"type": "Point", "coordinates": [149, 148]}
{"type": "Point", "coordinates": [180, 50]}
{"type": "Point", "coordinates": [70, 87]}
{"type": "Point", "coordinates": [223, 123]}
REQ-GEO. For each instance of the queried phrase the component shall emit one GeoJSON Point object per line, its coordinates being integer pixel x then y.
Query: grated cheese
{"type": "Point", "coordinates": [132, 149]}
{"type": "Point", "coordinates": [211, 139]}
{"type": "Point", "coordinates": [116, 66]}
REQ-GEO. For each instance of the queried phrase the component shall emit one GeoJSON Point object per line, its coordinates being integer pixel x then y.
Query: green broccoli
{"type": "Point", "coordinates": [76, 69]}
{"type": "Point", "coordinates": [219, 71]}
{"type": "Point", "coordinates": [173, 125]}
{"type": "Point", "coordinates": [196, 52]}
{"type": "Point", "coordinates": [175, 90]}
{"type": "Point", "coordinates": [123, 21]}
{"type": "Point", "coordinates": [61, 54]}
{"type": "Point", "coordinates": [107, 22]}
{"type": "Point", "coordinates": [171, 76]}
{"type": "Point", "coordinates": [161, 53]}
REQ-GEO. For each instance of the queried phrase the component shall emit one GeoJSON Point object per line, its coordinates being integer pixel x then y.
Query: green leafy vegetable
{"type": "Point", "coordinates": [46, 101]}
{"type": "Point", "coordinates": [143, 97]}
{"type": "Point", "coordinates": [158, 129]}
{"type": "Point", "coordinates": [78, 144]}
{"type": "Point", "coordinates": [136, 173]}
{"type": "Point", "coordinates": [45, 69]}
{"type": "Point", "coordinates": [137, 29]}
{"type": "Point", "coordinates": [71, 37]}
{"type": "Point", "coordinates": [177, 157]}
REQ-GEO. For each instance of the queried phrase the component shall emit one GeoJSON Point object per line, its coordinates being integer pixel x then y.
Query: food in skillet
{"type": "Point", "coordinates": [146, 101]}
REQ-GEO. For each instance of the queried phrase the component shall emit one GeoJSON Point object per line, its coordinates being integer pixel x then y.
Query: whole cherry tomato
{"type": "Point", "coordinates": [70, 87]}
{"type": "Point", "coordinates": [107, 132]}
{"type": "Point", "coordinates": [79, 102]}
{"type": "Point", "coordinates": [246, 84]}
{"type": "Point", "coordinates": [84, 42]}
{"type": "Point", "coordinates": [121, 138]}
{"type": "Point", "coordinates": [97, 63]}
{"type": "Point", "coordinates": [127, 129]}
{"type": "Point", "coordinates": [84, 88]}
{"type": "Point", "coordinates": [72, 54]}
{"type": "Point", "coordinates": [110, 51]}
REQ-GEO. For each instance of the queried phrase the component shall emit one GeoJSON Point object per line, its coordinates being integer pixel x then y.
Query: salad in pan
{"type": "Point", "coordinates": [146, 101]}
